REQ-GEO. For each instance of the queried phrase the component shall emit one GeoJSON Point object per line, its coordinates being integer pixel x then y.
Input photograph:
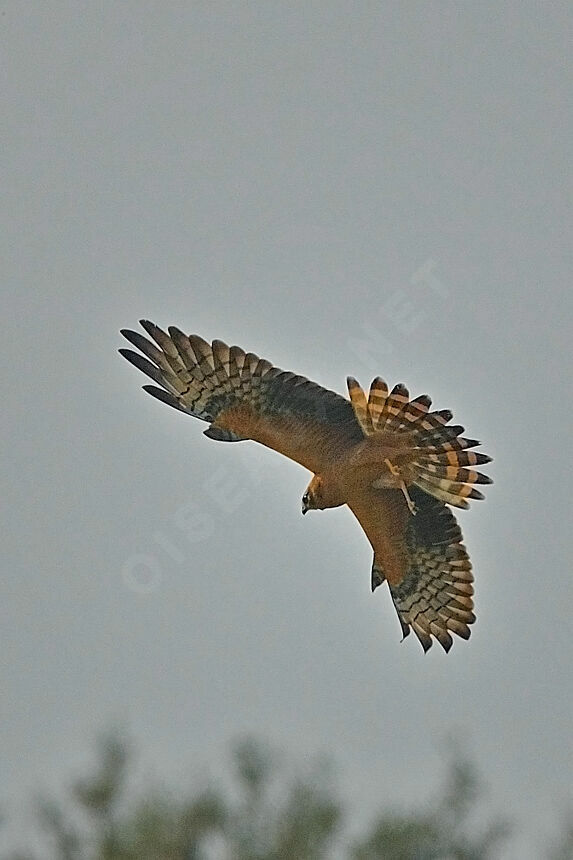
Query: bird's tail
{"type": "Point", "coordinates": [439, 455]}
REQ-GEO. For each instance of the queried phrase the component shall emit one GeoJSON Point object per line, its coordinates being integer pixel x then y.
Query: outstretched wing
{"type": "Point", "coordinates": [243, 396]}
{"type": "Point", "coordinates": [417, 542]}
{"type": "Point", "coordinates": [433, 596]}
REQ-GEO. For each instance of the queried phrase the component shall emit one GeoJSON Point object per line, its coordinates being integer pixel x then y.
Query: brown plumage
{"type": "Point", "coordinates": [392, 461]}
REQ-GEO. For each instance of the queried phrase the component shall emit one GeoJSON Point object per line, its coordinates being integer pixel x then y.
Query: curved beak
{"type": "Point", "coordinates": [304, 508]}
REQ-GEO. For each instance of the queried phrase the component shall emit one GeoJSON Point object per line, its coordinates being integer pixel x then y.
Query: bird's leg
{"type": "Point", "coordinates": [409, 502]}
{"type": "Point", "coordinates": [392, 468]}
{"type": "Point", "coordinates": [397, 474]}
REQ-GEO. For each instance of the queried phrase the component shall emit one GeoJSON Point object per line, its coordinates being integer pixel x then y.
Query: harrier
{"type": "Point", "coordinates": [393, 462]}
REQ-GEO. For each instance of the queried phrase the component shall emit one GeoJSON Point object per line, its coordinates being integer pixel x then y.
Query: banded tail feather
{"type": "Point", "coordinates": [360, 406]}
{"type": "Point", "coordinates": [439, 455]}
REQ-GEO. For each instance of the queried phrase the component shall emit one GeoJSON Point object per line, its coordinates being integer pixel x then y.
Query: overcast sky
{"type": "Point", "coordinates": [366, 188]}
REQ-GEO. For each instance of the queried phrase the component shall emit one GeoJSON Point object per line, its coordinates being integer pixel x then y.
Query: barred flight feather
{"type": "Point", "coordinates": [205, 379]}
{"type": "Point", "coordinates": [433, 439]}
{"type": "Point", "coordinates": [434, 598]}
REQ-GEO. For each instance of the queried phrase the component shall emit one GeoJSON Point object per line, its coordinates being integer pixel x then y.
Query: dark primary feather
{"type": "Point", "coordinates": [206, 380]}
{"type": "Point", "coordinates": [435, 596]}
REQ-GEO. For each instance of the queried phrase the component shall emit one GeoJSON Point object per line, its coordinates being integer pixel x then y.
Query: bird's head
{"type": "Point", "coordinates": [312, 499]}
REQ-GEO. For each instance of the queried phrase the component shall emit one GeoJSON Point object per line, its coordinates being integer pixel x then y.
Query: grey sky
{"type": "Point", "coordinates": [368, 188]}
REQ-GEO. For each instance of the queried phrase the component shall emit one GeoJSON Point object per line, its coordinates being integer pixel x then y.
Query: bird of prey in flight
{"type": "Point", "coordinates": [397, 465]}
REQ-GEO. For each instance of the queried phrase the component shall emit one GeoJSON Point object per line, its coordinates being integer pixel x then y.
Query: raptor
{"type": "Point", "coordinates": [397, 465]}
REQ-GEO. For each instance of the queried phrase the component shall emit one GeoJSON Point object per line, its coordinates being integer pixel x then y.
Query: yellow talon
{"type": "Point", "coordinates": [394, 469]}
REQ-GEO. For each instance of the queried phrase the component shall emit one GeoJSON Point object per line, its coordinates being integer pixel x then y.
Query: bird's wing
{"type": "Point", "coordinates": [245, 397]}
{"type": "Point", "coordinates": [424, 560]}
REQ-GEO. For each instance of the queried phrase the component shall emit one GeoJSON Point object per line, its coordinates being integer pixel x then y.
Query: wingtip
{"type": "Point", "coordinates": [149, 326]}
{"type": "Point", "coordinates": [164, 396]}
